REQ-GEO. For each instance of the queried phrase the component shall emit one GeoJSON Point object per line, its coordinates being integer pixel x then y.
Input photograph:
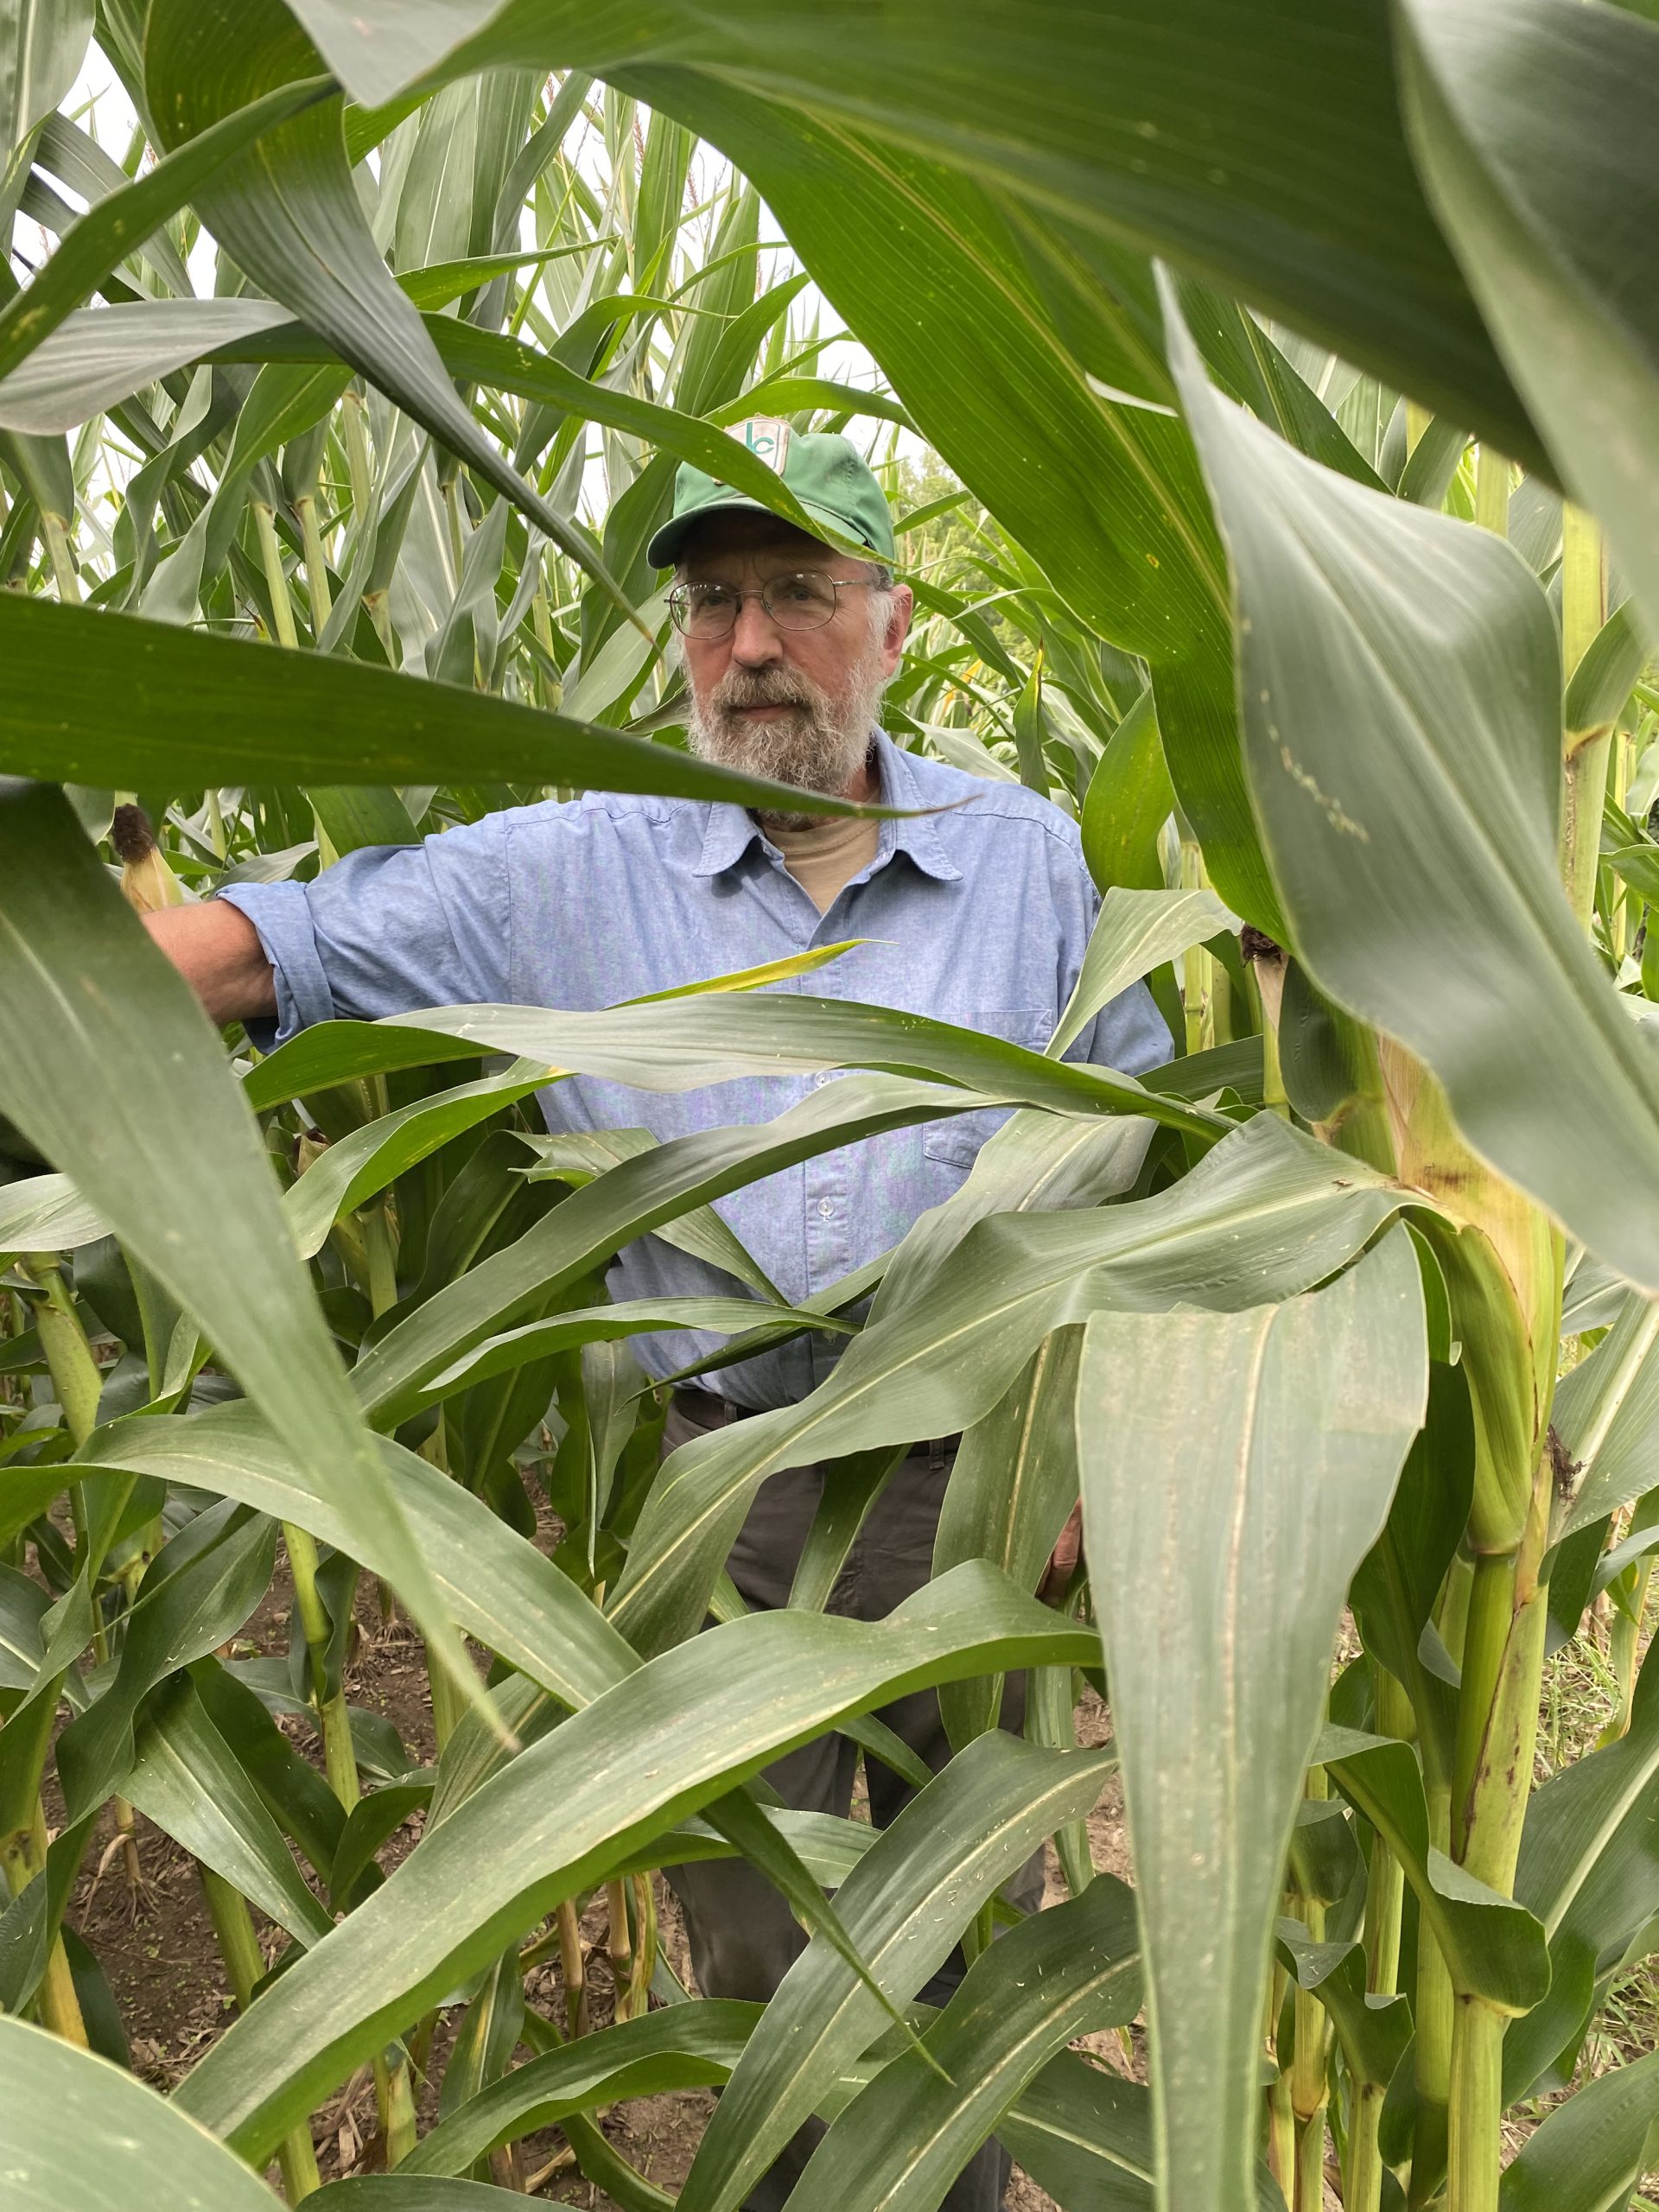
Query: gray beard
{"type": "Point", "coordinates": [820, 746]}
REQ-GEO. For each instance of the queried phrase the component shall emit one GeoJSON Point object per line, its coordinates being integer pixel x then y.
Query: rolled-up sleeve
{"type": "Point", "coordinates": [388, 930]}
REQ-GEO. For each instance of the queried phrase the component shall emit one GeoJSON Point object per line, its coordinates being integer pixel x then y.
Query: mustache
{"type": "Point", "coordinates": [764, 687]}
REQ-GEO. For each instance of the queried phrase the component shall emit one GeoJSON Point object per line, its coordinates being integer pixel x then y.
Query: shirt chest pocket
{"type": "Point", "coordinates": [956, 1142]}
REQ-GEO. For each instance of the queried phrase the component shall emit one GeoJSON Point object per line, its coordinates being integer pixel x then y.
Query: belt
{"type": "Point", "coordinates": [710, 1410]}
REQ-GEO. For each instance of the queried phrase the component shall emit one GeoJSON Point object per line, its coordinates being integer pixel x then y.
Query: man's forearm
{"type": "Point", "coordinates": [217, 949]}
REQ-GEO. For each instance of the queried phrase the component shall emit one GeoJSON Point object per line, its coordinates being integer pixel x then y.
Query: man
{"type": "Point", "coordinates": [977, 915]}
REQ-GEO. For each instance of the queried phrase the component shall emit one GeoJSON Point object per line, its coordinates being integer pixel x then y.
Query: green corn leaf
{"type": "Point", "coordinates": [1606, 1414]}
{"type": "Point", "coordinates": [701, 1720]}
{"type": "Point", "coordinates": [743, 1823]}
{"type": "Point", "coordinates": [357, 1166]}
{"type": "Point", "coordinates": [851, 1488]}
{"type": "Point", "coordinates": [683, 1045]}
{"type": "Point", "coordinates": [185, 1778]}
{"type": "Point", "coordinates": [283, 404]}
{"type": "Point", "coordinates": [792, 395]}
{"type": "Point", "coordinates": [1013, 1484]}
{"type": "Point", "coordinates": [22, 1602]}
{"type": "Point", "coordinates": [608, 1323]}
{"type": "Point", "coordinates": [493, 1583]}
{"type": "Point", "coordinates": [464, 140]}
{"type": "Point", "coordinates": [508, 365]}
{"type": "Point", "coordinates": [1588, 2152]}
{"type": "Point", "coordinates": [200, 710]}
{"type": "Point", "coordinates": [685, 2046]}
{"type": "Point", "coordinates": [1599, 687]}
{"type": "Point", "coordinates": [1059, 1974]}
{"type": "Point", "coordinates": [1432, 464]}
{"type": "Point", "coordinates": [1251, 369]}
{"type": "Point", "coordinates": [406, 2192]}
{"type": "Point", "coordinates": [439, 283]}
{"type": "Point", "coordinates": [43, 466]}
{"type": "Point", "coordinates": [1494, 1948]}
{"type": "Point", "coordinates": [370, 1821]}
{"type": "Point", "coordinates": [288, 212]}
{"type": "Point", "coordinates": [1083, 2134]}
{"type": "Point", "coordinates": [1394, 1591]}
{"type": "Point", "coordinates": [46, 1213]}
{"type": "Point", "coordinates": [74, 156]}
{"type": "Point", "coordinates": [331, 1052]}
{"type": "Point", "coordinates": [630, 1201]}
{"type": "Point", "coordinates": [126, 217]}
{"type": "Point", "coordinates": [77, 2134]}
{"type": "Point", "coordinates": [1137, 931]}
{"type": "Point", "coordinates": [1517, 118]}
{"type": "Point", "coordinates": [23, 1755]}
{"type": "Point", "coordinates": [1035, 1163]}
{"type": "Point", "coordinates": [1236, 1467]}
{"type": "Point", "coordinates": [576, 1158]}
{"type": "Point", "coordinates": [1091, 117]}
{"type": "Point", "coordinates": [1589, 1869]}
{"type": "Point", "coordinates": [42, 44]}
{"type": "Point", "coordinates": [1403, 747]}
{"type": "Point", "coordinates": [903, 1907]}
{"type": "Point", "coordinates": [30, 1490]}
{"type": "Point", "coordinates": [829, 1847]}
{"type": "Point", "coordinates": [1130, 799]}
{"type": "Point", "coordinates": [129, 1086]}
{"type": "Point", "coordinates": [188, 1610]}
{"type": "Point", "coordinates": [99, 356]}
{"type": "Point", "coordinates": [1263, 1211]}
{"type": "Point", "coordinates": [31, 1922]}
{"type": "Point", "coordinates": [489, 2029]}
{"type": "Point", "coordinates": [353, 816]}
{"type": "Point", "coordinates": [1374, 2035]}
{"type": "Point", "coordinates": [1638, 866]}
{"type": "Point", "coordinates": [292, 1791]}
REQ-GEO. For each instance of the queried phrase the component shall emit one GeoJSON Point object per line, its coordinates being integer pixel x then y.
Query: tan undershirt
{"type": "Point", "coordinates": [824, 858]}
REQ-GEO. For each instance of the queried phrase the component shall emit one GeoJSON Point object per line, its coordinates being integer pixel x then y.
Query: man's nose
{"type": "Point", "coordinates": [755, 641]}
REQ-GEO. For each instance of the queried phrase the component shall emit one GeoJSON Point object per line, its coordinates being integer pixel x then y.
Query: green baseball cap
{"type": "Point", "coordinates": [827, 475]}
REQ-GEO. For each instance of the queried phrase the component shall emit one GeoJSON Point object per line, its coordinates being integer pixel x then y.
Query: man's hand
{"type": "Point", "coordinates": [217, 951]}
{"type": "Point", "coordinates": [1063, 1559]}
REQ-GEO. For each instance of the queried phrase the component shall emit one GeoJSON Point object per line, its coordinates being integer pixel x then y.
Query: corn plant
{"type": "Point", "coordinates": [1295, 378]}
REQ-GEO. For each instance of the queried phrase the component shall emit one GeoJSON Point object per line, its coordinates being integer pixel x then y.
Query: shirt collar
{"type": "Point", "coordinates": [919, 836]}
{"type": "Point", "coordinates": [730, 830]}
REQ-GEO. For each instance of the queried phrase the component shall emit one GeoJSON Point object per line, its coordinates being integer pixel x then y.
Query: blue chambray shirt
{"type": "Point", "coordinates": [979, 916]}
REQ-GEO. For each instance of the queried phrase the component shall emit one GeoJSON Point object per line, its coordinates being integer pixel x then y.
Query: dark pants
{"type": "Point", "coordinates": [743, 1936]}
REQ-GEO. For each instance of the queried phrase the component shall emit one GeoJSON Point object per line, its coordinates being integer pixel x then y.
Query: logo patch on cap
{"type": "Point", "coordinates": [767, 438]}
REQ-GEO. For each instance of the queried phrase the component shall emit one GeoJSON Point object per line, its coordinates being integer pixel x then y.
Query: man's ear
{"type": "Point", "coordinates": [901, 608]}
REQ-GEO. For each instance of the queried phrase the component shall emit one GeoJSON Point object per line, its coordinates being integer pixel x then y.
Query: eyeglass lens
{"type": "Point", "coordinates": [806, 601]}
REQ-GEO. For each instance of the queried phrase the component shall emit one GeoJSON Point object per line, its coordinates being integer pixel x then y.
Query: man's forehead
{"type": "Point", "coordinates": [723, 544]}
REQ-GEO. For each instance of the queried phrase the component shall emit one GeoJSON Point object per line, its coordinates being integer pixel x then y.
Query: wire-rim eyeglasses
{"type": "Point", "coordinates": [808, 600]}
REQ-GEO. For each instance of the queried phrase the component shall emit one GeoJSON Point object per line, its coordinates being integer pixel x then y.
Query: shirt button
{"type": "Point", "coordinates": [827, 1208]}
